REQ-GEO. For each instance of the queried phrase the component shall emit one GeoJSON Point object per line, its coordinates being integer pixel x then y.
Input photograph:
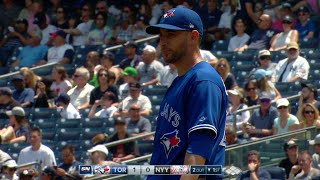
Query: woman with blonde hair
{"type": "Point", "coordinates": [223, 68]}
{"type": "Point", "coordinates": [308, 116]}
{"type": "Point", "coordinates": [263, 84]}
{"type": "Point", "coordinates": [30, 78]}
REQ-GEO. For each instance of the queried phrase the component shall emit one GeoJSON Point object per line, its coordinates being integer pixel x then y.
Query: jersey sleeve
{"type": "Point", "coordinates": [204, 107]}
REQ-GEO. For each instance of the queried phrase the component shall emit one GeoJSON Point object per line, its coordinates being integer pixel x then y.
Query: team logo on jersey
{"type": "Point", "coordinates": [170, 141]}
{"type": "Point", "coordinates": [169, 13]}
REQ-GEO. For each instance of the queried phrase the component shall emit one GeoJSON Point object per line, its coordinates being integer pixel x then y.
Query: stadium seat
{"type": "Point", "coordinates": [282, 87]}
{"type": "Point", "coordinates": [155, 110]}
{"type": "Point", "coordinates": [3, 82]}
{"type": "Point", "coordinates": [220, 45]}
{"type": "Point", "coordinates": [43, 71]}
{"type": "Point", "coordinates": [45, 123]}
{"type": "Point", "coordinates": [68, 134]}
{"type": "Point", "coordinates": [76, 144]}
{"type": "Point", "coordinates": [313, 54]}
{"type": "Point", "coordinates": [314, 75]}
{"type": "Point", "coordinates": [278, 173]}
{"type": "Point", "coordinates": [224, 54]}
{"type": "Point", "coordinates": [244, 57]}
{"type": "Point", "coordinates": [109, 130]}
{"type": "Point", "coordinates": [16, 147]}
{"type": "Point", "coordinates": [156, 100]}
{"type": "Point", "coordinates": [45, 113]}
{"type": "Point", "coordinates": [89, 133]}
{"type": "Point", "coordinates": [84, 112]}
{"type": "Point", "coordinates": [93, 122]}
{"type": "Point", "coordinates": [4, 70]}
{"type": "Point", "coordinates": [86, 144]}
{"type": "Point", "coordinates": [68, 123]}
{"type": "Point", "coordinates": [314, 64]}
{"type": "Point", "coordinates": [309, 43]}
{"type": "Point", "coordinates": [50, 143]}
{"type": "Point", "coordinates": [145, 147]}
{"type": "Point", "coordinates": [48, 134]}
{"type": "Point", "coordinates": [155, 90]}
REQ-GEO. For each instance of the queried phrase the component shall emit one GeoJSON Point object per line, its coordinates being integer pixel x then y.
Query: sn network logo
{"type": "Point", "coordinates": [85, 170]}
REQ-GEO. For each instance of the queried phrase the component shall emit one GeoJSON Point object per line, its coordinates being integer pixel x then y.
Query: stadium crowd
{"type": "Point", "coordinates": [104, 95]}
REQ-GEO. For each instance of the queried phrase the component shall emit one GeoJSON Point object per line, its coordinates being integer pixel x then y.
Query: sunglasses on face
{"type": "Point", "coordinates": [222, 65]}
{"type": "Point", "coordinates": [76, 75]}
{"type": "Point", "coordinates": [264, 58]}
{"type": "Point", "coordinates": [308, 112]}
{"type": "Point", "coordinates": [286, 22]}
{"type": "Point", "coordinates": [282, 107]}
{"type": "Point", "coordinates": [249, 89]}
{"type": "Point", "coordinates": [59, 12]}
{"type": "Point", "coordinates": [100, 8]}
{"type": "Point", "coordinates": [301, 14]}
{"type": "Point", "coordinates": [265, 100]}
{"type": "Point", "coordinates": [85, 9]}
{"type": "Point", "coordinates": [105, 75]}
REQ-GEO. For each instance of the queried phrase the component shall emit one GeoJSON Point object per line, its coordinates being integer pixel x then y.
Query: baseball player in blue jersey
{"type": "Point", "coordinates": [191, 122]}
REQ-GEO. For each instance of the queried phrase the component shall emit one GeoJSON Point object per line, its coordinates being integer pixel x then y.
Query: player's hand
{"type": "Point", "coordinates": [295, 169]}
{"type": "Point", "coordinates": [117, 160]}
{"type": "Point", "coordinates": [61, 172]}
{"type": "Point", "coordinates": [252, 166]}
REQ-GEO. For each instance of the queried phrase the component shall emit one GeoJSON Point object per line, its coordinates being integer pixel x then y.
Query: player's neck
{"type": "Point", "coordinates": [187, 62]}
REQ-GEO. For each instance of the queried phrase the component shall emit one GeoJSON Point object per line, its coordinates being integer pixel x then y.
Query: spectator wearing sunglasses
{"type": "Point", "coordinates": [285, 122]}
{"type": "Point", "coordinates": [9, 169]}
{"type": "Point", "coordinates": [280, 40]}
{"type": "Point", "coordinates": [261, 121]}
{"type": "Point", "coordinates": [305, 26]}
{"type": "Point", "coordinates": [308, 116]}
{"type": "Point", "coordinates": [309, 94]}
{"type": "Point", "coordinates": [223, 68]}
{"type": "Point", "coordinates": [251, 93]}
{"type": "Point", "coordinates": [265, 63]}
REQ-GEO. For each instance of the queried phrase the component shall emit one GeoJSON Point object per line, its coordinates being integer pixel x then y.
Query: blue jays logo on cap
{"type": "Point", "coordinates": [169, 13]}
{"type": "Point", "coordinates": [178, 19]}
{"type": "Point", "coordinates": [170, 141]}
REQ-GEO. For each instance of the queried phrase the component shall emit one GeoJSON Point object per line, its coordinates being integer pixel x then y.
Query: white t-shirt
{"type": "Point", "coordinates": [106, 113]}
{"type": "Point", "coordinates": [123, 91]}
{"type": "Point", "coordinates": [44, 156]}
{"type": "Point", "coordinates": [207, 55]}
{"type": "Point", "coordinates": [85, 29]}
{"type": "Point", "coordinates": [142, 100]}
{"type": "Point", "coordinates": [167, 76]}
{"type": "Point", "coordinates": [78, 97]}
{"type": "Point", "coordinates": [56, 54]}
{"type": "Point", "coordinates": [148, 72]}
{"type": "Point", "coordinates": [62, 87]}
{"type": "Point", "coordinates": [46, 34]}
{"type": "Point", "coordinates": [238, 41]}
{"type": "Point", "coordinates": [300, 67]}
{"type": "Point", "coordinates": [70, 113]}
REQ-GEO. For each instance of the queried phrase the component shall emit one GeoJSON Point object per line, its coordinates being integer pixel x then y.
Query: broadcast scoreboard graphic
{"type": "Point", "coordinates": [150, 170]}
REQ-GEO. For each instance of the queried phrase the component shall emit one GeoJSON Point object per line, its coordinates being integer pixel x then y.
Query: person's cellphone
{"type": "Point", "coordinates": [11, 29]}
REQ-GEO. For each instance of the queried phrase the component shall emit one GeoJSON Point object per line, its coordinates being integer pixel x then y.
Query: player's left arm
{"type": "Point", "coordinates": [192, 159]}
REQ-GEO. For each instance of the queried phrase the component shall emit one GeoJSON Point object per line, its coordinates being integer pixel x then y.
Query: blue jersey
{"type": "Point", "coordinates": [195, 103]}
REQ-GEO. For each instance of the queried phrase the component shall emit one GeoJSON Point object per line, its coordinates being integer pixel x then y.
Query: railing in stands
{"type": "Point", "coordinates": [108, 48]}
{"type": "Point", "coordinates": [31, 164]}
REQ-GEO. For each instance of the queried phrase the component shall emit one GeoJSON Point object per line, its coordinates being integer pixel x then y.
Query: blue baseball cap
{"type": "Point", "coordinates": [259, 74]}
{"type": "Point", "coordinates": [179, 19]}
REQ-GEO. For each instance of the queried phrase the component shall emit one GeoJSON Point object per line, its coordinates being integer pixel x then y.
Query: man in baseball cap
{"type": "Point", "coordinates": [181, 32]}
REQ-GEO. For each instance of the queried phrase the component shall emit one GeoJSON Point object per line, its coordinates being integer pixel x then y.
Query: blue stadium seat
{"type": "Point", "coordinates": [314, 64]}
{"type": "Point", "coordinates": [3, 82]}
{"type": "Point", "coordinates": [109, 130]}
{"type": "Point", "coordinates": [43, 71]}
{"type": "Point", "coordinates": [220, 45]}
{"type": "Point", "coordinates": [45, 113]}
{"type": "Point", "coordinates": [309, 43]}
{"type": "Point", "coordinates": [282, 87]}
{"type": "Point", "coordinates": [4, 70]}
{"type": "Point", "coordinates": [79, 60]}
{"type": "Point", "coordinates": [244, 57]}
{"type": "Point", "coordinates": [93, 122]}
{"type": "Point", "coordinates": [89, 133]}
{"type": "Point", "coordinates": [3, 122]}
{"type": "Point", "coordinates": [86, 144]}
{"type": "Point", "coordinates": [68, 123]}
{"type": "Point", "coordinates": [156, 100]}
{"type": "Point", "coordinates": [84, 112]}
{"type": "Point", "coordinates": [314, 75]}
{"type": "Point", "coordinates": [155, 110]}
{"type": "Point", "coordinates": [276, 56]}
{"type": "Point", "coordinates": [224, 54]}
{"type": "Point", "coordinates": [313, 54]}
{"type": "Point", "coordinates": [50, 143]}
{"type": "Point", "coordinates": [48, 134]}
{"type": "Point", "coordinates": [145, 147]}
{"type": "Point", "coordinates": [155, 90]}
{"type": "Point", "coordinates": [45, 123]}
{"type": "Point", "coordinates": [16, 147]}
{"type": "Point", "coordinates": [68, 134]}
{"type": "Point", "coordinates": [76, 144]}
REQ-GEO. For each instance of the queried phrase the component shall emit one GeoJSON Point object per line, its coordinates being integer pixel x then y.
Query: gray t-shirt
{"type": "Point", "coordinates": [142, 125]}
{"type": "Point", "coordinates": [260, 122]}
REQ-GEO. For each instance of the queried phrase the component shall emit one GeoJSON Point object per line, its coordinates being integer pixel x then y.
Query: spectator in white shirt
{"type": "Point", "coordinates": [68, 110]}
{"type": "Point", "coordinates": [241, 38]}
{"type": "Point", "coordinates": [46, 29]}
{"type": "Point", "coordinates": [106, 102]}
